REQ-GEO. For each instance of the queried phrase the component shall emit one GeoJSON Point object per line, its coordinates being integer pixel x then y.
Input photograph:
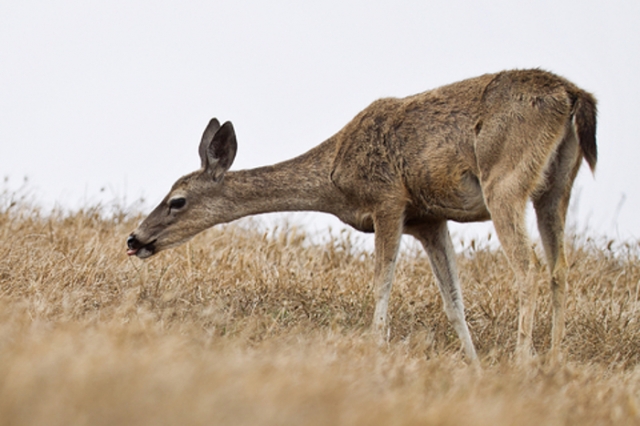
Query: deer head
{"type": "Point", "coordinates": [190, 207]}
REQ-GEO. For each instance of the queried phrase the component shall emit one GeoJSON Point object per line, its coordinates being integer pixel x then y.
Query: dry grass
{"type": "Point", "coordinates": [243, 328]}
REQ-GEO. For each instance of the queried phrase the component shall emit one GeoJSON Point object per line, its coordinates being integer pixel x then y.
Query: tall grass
{"type": "Point", "coordinates": [243, 327]}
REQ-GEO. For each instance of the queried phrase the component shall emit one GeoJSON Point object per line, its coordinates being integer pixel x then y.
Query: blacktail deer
{"type": "Point", "coordinates": [475, 150]}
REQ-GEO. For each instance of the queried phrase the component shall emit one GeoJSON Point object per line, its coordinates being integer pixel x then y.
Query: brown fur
{"type": "Point", "coordinates": [471, 151]}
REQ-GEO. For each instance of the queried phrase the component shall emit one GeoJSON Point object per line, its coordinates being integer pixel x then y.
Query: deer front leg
{"type": "Point", "coordinates": [436, 240]}
{"type": "Point", "coordinates": [388, 224]}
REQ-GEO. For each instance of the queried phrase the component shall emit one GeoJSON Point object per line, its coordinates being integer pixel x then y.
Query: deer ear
{"type": "Point", "coordinates": [207, 137]}
{"type": "Point", "coordinates": [221, 151]}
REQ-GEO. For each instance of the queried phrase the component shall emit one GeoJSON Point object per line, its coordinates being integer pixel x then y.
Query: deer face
{"type": "Point", "coordinates": [189, 208]}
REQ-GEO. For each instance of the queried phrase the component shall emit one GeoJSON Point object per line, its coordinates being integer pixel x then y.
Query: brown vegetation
{"type": "Point", "coordinates": [243, 327]}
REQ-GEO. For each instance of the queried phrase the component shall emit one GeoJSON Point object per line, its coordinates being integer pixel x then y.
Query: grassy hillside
{"type": "Point", "coordinates": [240, 327]}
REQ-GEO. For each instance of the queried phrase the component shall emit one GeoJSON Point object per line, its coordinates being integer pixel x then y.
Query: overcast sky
{"type": "Point", "coordinates": [104, 100]}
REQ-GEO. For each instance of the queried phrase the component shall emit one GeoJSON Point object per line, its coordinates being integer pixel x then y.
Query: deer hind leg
{"type": "Point", "coordinates": [551, 210]}
{"type": "Point", "coordinates": [514, 149]}
{"type": "Point", "coordinates": [436, 241]}
{"type": "Point", "coordinates": [388, 225]}
{"type": "Point", "coordinates": [508, 214]}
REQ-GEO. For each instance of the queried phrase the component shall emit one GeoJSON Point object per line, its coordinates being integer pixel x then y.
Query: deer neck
{"type": "Point", "coordinates": [300, 184]}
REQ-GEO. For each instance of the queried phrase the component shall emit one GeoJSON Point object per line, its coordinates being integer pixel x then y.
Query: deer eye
{"type": "Point", "coordinates": [177, 203]}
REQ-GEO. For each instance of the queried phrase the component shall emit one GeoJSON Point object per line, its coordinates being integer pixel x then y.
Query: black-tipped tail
{"type": "Point", "coordinates": [585, 122]}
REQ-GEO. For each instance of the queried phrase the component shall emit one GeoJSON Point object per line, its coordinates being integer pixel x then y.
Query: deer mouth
{"type": "Point", "coordinates": [136, 248]}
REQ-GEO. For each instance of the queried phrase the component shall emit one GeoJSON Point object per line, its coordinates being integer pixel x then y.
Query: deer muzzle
{"type": "Point", "coordinates": [140, 249]}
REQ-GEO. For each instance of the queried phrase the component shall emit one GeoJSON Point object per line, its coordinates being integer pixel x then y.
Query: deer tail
{"type": "Point", "coordinates": [584, 120]}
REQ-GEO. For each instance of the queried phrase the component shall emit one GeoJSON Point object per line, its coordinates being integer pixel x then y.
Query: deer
{"type": "Point", "coordinates": [476, 150]}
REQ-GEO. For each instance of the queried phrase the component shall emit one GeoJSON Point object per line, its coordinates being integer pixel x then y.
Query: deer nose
{"type": "Point", "coordinates": [132, 242]}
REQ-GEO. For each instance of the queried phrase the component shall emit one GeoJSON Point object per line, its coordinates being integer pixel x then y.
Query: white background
{"type": "Point", "coordinates": [107, 100]}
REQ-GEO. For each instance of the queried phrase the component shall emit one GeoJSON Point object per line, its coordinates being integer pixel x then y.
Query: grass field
{"type": "Point", "coordinates": [243, 327]}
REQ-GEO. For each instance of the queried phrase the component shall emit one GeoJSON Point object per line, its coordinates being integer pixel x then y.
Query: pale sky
{"type": "Point", "coordinates": [104, 100]}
